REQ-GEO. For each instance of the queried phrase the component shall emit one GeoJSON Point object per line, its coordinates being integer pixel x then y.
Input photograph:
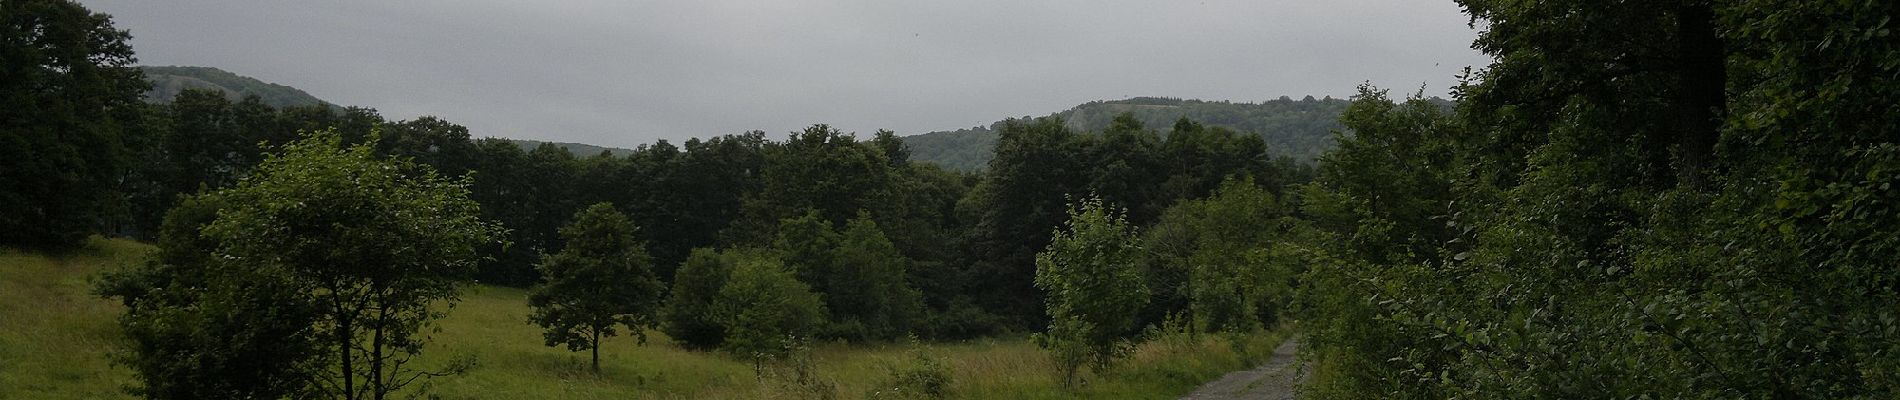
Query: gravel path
{"type": "Point", "coordinates": [1277, 379]}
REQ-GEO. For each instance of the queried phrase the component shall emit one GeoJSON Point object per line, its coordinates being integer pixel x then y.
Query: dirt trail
{"type": "Point", "coordinates": [1275, 380]}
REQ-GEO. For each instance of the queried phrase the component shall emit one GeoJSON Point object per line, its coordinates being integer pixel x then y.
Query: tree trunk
{"type": "Point", "coordinates": [1702, 73]}
{"type": "Point", "coordinates": [343, 346]}
{"type": "Point", "coordinates": [343, 336]}
{"type": "Point", "coordinates": [596, 346]}
{"type": "Point", "coordinates": [378, 389]}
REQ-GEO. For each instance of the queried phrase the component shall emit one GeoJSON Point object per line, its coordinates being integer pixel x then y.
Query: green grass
{"type": "Point", "coordinates": [55, 337]}
{"type": "Point", "coordinates": [54, 334]}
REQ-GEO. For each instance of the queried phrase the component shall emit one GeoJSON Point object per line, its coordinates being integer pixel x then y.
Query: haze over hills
{"type": "Point", "coordinates": [1298, 129]}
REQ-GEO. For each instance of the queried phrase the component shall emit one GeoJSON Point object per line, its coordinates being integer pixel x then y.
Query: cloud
{"type": "Point", "coordinates": [623, 73]}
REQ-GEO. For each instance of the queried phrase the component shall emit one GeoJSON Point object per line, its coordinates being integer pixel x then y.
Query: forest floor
{"type": "Point", "coordinates": [1276, 379]}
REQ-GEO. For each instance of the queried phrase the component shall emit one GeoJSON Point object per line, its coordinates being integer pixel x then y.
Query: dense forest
{"type": "Point", "coordinates": [1686, 199]}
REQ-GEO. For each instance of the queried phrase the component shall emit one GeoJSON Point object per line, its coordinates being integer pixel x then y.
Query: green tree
{"type": "Point", "coordinates": [689, 316]}
{"type": "Point", "coordinates": [502, 186]}
{"type": "Point", "coordinates": [372, 243]}
{"type": "Point", "coordinates": [1380, 202]}
{"type": "Point", "coordinates": [1215, 258]}
{"type": "Point", "coordinates": [1093, 286]}
{"type": "Point", "coordinates": [430, 141]}
{"type": "Point", "coordinates": [1039, 164]}
{"type": "Point", "coordinates": [66, 88]}
{"type": "Point", "coordinates": [601, 278]}
{"type": "Point", "coordinates": [1130, 169]}
{"type": "Point", "coordinates": [868, 288]}
{"type": "Point", "coordinates": [818, 169]}
{"type": "Point", "coordinates": [1639, 197]}
{"type": "Point", "coordinates": [200, 328]}
{"type": "Point", "coordinates": [808, 246]}
{"type": "Point", "coordinates": [765, 310]}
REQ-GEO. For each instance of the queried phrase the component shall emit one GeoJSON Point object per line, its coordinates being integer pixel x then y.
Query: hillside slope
{"type": "Point", "coordinates": [168, 81]}
{"type": "Point", "coordinates": [1301, 129]}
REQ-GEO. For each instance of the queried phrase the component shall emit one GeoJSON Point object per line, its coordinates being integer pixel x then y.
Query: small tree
{"type": "Point", "coordinates": [765, 310]}
{"type": "Point", "coordinates": [601, 278]}
{"type": "Point", "coordinates": [1093, 288]}
{"type": "Point", "coordinates": [689, 316]}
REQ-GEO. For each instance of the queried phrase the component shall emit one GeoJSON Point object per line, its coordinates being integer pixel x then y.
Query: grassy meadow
{"type": "Point", "coordinates": [55, 338]}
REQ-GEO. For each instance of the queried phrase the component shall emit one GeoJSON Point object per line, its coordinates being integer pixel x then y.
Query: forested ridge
{"type": "Point", "coordinates": [169, 81]}
{"type": "Point", "coordinates": [1687, 199]}
{"type": "Point", "coordinates": [1298, 130]}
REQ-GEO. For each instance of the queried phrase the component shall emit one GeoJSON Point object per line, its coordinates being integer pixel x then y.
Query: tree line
{"type": "Point", "coordinates": [303, 250]}
{"type": "Point", "coordinates": [1689, 199]}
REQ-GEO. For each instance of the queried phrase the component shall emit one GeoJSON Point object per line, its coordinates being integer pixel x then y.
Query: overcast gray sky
{"type": "Point", "coordinates": [622, 73]}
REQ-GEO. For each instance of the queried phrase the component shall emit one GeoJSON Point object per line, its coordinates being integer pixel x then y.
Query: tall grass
{"type": "Point", "coordinates": [54, 334]}
{"type": "Point", "coordinates": [55, 337]}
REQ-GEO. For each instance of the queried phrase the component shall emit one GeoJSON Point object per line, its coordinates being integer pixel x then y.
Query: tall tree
{"type": "Point", "coordinates": [431, 141]}
{"type": "Point", "coordinates": [1130, 169]}
{"type": "Point", "coordinates": [600, 278]}
{"type": "Point", "coordinates": [1039, 166]}
{"type": "Point", "coordinates": [373, 243]}
{"type": "Point", "coordinates": [66, 88]}
{"type": "Point", "coordinates": [503, 187]}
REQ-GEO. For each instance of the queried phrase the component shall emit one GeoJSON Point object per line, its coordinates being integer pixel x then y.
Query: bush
{"type": "Point", "coordinates": [689, 317]}
{"type": "Point", "coordinates": [765, 310]}
{"type": "Point", "coordinates": [796, 377]}
{"type": "Point", "coordinates": [923, 375]}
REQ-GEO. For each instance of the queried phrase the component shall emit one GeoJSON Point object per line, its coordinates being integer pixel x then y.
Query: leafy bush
{"type": "Point", "coordinates": [922, 375]}
{"type": "Point", "coordinates": [765, 311]}
{"type": "Point", "coordinates": [689, 317]}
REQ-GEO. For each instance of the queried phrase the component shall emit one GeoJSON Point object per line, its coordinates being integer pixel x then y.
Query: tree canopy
{"type": "Point", "coordinates": [67, 90]}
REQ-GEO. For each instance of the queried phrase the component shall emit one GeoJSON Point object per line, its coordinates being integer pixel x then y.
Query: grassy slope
{"type": "Point", "coordinates": [54, 337]}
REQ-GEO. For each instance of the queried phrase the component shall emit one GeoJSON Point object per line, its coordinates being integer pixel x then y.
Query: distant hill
{"type": "Point", "coordinates": [578, 149]}
{"type": "Point", "coordinates": [1301, 129]}
{"type": "Point", "coordinates": [1295, 128]}
{"type": "Point", "coordinates": [167, 82]}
